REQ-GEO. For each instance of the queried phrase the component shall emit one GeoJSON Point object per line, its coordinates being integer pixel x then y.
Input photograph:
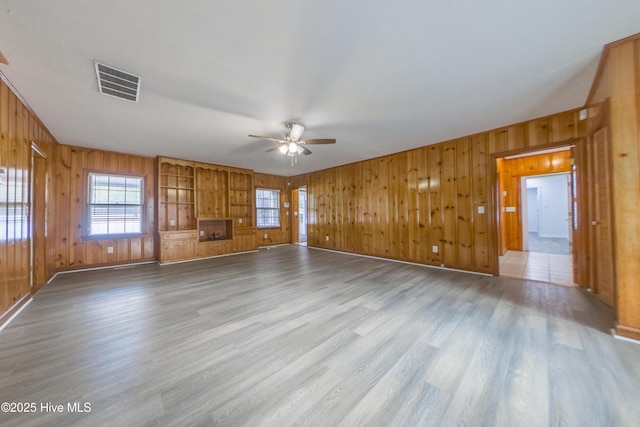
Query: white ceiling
{"type": "Point", "coordinates": [379, 76]}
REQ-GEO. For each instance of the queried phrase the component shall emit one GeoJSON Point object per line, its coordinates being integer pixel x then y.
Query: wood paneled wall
{"type": "Point", "coordinates": [18, 128]}
{"type": "Point", "coordinates": [68, 248]}
{"type": "Point", "coordinates": [281, 234]}
{"type": "Point", "coordinates": [616, 91]}
{"type": "Point", "coordinates": [510, 173]}
{"type": "Point", "coordinates": [404, 205]}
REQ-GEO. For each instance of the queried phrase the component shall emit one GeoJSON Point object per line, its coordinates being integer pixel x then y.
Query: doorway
{"type": "Point", "coordinates": [37, 218]}
{"type": "Point", "coordinates": [546, 213]}
{"type": "Point", "coordinates": [534, 232]}
{"type": "Point", "coordinates": [302, 215]}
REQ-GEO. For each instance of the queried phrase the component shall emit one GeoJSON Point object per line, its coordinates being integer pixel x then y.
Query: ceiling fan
{"type": "Point", "coordinates": [291, 145]}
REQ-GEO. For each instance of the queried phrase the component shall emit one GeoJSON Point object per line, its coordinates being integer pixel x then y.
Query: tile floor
{"type": "Point", "coordinates": [552, 268]}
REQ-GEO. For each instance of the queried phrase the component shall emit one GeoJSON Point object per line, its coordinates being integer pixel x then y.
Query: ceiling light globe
{"type": "Point", "coordinates": [283, 148]}
{"type": "Point", "coordinates": [293, 147]}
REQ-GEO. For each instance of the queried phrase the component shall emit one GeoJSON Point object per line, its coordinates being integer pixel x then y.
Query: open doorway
{"type": "Point", "coordinates": [534, 232]}
{"type": "Point", "coordinates": [302, 215]}
{"type": "Point", "coordinates": [546, 213]}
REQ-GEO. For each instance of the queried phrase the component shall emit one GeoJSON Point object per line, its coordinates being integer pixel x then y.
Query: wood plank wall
{"type": "Point", "coordinates": [617, 92]}
{"type": "Point", "coordinates": [282, 234]}
{"type": "Point", "coordinates": [18, 127]}
{"type": "Point", "coordinates": [403, 205]}
{"type": "Point", "coordinates": [510, 174]}
{"type": "Point", "coordinates": [68, 249]}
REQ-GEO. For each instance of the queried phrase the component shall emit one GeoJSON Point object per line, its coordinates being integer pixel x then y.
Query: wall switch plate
{"type": "Point", "coordinates": [265, 235]}
{"type": "Point", "coordinates": [240, 220]}
{"type": "Point", "coordinates": [201, 233]}
{"type": "Point", "coordinates": [434, 249]}
{"type": "Point", "coordinates": [583, 114]}
{"type": "Point", "coordinates": [285, 204]}
{"type": "Point", "coordinates": [109, 249]}
{"type": "Point", "coordinates": [326, 238]}
{"type": "Point", "coordinates": [172, 222]}
{"type": "Point", "coordinates": [480, 209]}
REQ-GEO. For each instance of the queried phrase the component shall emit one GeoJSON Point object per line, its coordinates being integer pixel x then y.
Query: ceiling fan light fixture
{"type": "Point", "coordinates": [283, 148]}
{"type": "Point", "coordinates": [293, 148]}
{"type": "Point", "coordinates": [295, 131]}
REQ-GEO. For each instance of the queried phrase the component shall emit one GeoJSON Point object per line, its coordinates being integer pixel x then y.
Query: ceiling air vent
{"type": "Point", "coordinates": [118, 83]}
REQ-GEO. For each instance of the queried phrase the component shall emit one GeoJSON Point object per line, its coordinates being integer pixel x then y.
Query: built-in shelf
{"type": "Point", "coordinates": [197, 200]}
{"type": "Point", "coordinates": [175, 175]}
{"type": "Point", "coordinates": [215, 229]}
{"type": "Point", "coordinates": [176, 188]}
{"type": "Point", "coordinates": [176, 195]}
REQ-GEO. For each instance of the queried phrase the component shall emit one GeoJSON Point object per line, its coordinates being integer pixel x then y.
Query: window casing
{"type": "Point", "coordinates": [115, 204]}
{"type": "Point", "coordinates": [267, 208]}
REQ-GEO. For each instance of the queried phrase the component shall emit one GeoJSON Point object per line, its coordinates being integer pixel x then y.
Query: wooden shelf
{"type": "Point", "coordinates": [213, 226]}
{"type": "Point", "coordinates": [176, 203]}
{"type": "Point", "coordinates": [171, 187]}
{"type": "Point", "coordinates": [207, 200]}
{"type": "Point", "coordinates": [175, 190]}
{"type": "Point", "coordinates": [176, 175]}
{"type": "Point", "coordinates": [203, 240]}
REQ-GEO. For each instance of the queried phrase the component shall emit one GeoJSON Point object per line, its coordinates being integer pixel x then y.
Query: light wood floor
{"type": "Point", "coordinates": [298, 336]}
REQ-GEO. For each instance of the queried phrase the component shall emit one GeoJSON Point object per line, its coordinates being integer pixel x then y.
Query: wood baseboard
{"type": "Point", "coordinates": [628, 332]}
{"type": "Point", "coordinates": [7, 315]}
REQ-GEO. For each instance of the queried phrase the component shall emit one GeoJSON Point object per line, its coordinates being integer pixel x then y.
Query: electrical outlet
{"type": "Point", "coordinates": [327, 238]}
{"type": "Point", "coordinates": [434, 249]}
{"type": "Point", "coordinates": [201, 233]}
{"type": "Point", "coordinates": [480, 209]}
{"type": "Point", "coordinates": [172, 222]}
{"type": "Point", "coordinates": [109, 249]}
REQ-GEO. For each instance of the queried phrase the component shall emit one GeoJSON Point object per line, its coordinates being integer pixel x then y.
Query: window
{"type": "Point", "coordinates": [268, 208]}
{"type": "Point", "coordinates": [114, 204]}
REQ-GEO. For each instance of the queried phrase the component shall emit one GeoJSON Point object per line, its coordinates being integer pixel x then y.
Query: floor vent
{"type": "Point", "coordinates": [118, 83]}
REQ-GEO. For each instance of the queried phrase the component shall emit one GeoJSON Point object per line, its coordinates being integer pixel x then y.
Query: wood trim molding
{"type": "Point", "coordinates": [628, 331]}
{"type": "Point", "coordinates": [533, 150]}
{"type": "Point", "coordinates": [37, 150]}
{"type": "Point", "coordinates": [7, 315]}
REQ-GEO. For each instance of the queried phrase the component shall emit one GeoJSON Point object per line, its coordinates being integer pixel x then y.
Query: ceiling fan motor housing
{"type": "Point", "coordinates": [295, 131]}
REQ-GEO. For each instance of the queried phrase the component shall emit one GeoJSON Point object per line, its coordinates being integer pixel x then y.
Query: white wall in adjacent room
{"type": "Point", "coordinates": [553, 204]}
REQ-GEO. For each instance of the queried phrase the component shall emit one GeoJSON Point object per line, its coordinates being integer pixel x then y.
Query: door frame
{"type": "Point", "coordinates": [494, 223]}
{"type": "Point", "coordinates": [295, 218]}
{"type": "Point", "coordinates": [37, 207]}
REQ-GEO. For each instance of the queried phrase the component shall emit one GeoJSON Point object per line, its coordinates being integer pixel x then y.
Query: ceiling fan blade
{"type": "Point", "coordinates": [320, 141]}
{"type": "Point", "coordinates": [271, 149]}
{"type": "Point", "coordinates": [268, 138]}
{"type": "Point", "coordinates": [306, 151]}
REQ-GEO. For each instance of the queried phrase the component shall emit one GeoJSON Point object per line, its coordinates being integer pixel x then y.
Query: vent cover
{"type": "Point", "coordinates": [118, 83]}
